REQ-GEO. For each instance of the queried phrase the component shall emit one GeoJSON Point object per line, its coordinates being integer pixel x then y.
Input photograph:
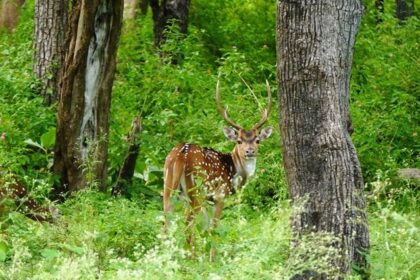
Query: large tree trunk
{"type": "Point", "coordinates": [404, 9]}
{"type": "Point", "coordinates": [315, 42]}
{"type": "Point", "coordinates": [9, 13]}
{"type": "Point", "coordinates": [85, 94]}
{"type": "Point", "coordinates": [166, 12]}
{"type": "Point", "coordinates": [50, 26]}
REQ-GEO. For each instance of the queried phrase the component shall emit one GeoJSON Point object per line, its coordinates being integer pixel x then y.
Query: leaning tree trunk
{"type": "Point", "coordinates": [165, 13]}
{"type": "Point", "coordinates": [85, 94]}
{"type": "Point", "coordinates": [50, 26]}
{"type": "Point", "coordinates": [404, 9]}
{"type": "Point", "coordinates": [315, 42]}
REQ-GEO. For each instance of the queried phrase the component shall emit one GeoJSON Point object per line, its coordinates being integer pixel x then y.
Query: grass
{"type": "Point", "coordinates": [114, 238]}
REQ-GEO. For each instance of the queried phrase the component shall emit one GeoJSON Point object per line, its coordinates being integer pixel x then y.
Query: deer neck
{"type": "Point", "coordinates": [245, 167]}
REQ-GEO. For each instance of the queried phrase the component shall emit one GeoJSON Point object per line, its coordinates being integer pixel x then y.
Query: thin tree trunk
{"type": "Point", "coordinates": [144, 4]}
{"type": "Point", "coordinates": [85, 94]}
{"type": "Point", "coordinates": [125, 175]}
{"type": "Point", "coordinates": [404, 9]}
{"type": "Point", "coordinates": [166, 12]}
{"type": "Point", "coordinates": [315, 49]}
{"type": "Point", "coordinates": [50, 27]}
{"type": "Point", "coordinates": [9, 13]}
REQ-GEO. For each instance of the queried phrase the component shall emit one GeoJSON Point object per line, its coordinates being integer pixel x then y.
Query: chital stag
{"type": "Point", "coordinates": [221, 174]}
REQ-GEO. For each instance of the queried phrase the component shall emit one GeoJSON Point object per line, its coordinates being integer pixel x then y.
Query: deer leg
{"type": "Point", "coordinates": [194, 207]}
{"type": "Point", "coordinates": [218, 208]}
{"type": "Point", "coordinates": [173, 174]}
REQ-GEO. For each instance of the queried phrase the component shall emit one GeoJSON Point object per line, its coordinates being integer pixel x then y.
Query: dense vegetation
{"type": "Point", "coordinates": [117, 238]}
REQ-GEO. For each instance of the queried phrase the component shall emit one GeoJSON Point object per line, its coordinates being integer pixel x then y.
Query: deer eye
{"type": "Point", "coordinates": [239, 142]}
{"type": "Point", "coordinates": [258, 141]}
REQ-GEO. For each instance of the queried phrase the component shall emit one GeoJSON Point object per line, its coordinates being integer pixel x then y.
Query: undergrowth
{"type": "Point", "coordinates": [102, 237]}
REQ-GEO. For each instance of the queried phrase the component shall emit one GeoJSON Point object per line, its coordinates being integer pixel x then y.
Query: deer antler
{"type": "Point", "coordinates": [222, 111]}
{"type": "Point", "coordinates": [266, 112]}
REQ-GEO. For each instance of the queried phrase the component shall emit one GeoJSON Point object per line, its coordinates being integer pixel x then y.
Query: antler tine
{"type": "Point", "coordinates": [267, 111]}
{"type": "Point", "coordinates": [222, 111]}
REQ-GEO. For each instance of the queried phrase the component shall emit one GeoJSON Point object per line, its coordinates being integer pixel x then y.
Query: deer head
{"type": "Point", "coordinates": [247, 141]}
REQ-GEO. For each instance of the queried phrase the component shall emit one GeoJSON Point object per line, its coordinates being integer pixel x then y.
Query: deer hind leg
{"type": "Point", "coordinates": [173, 173]}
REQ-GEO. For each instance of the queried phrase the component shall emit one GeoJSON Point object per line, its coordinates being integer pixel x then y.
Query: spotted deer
{"type": "Point", "coordinates": [220, 174]}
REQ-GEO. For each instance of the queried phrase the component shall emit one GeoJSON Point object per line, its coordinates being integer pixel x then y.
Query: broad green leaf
{"type": "Point", "coordinates": [74, 249]}
{"type": "Point", "coordinates": [50, 253]}
{"type": "Point", "coordinates": [3, 251]}
{"type": "Point", "coordinates": [32, 143]}
{"type": "Point", "coordinates": [48, 138]}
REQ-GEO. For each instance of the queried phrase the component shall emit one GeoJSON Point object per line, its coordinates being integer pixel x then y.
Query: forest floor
{"type": "Point", "coordinates": [101, 237]}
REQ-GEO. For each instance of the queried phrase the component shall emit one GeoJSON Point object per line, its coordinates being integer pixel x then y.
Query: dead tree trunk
{"type": "Point", "coordinates": [87, 75]}
{"type": "Point", "coordinates": [165, 13]}
{"type": "Point", "coordinates": [50, 27]}
{"type": "Point", "coordinates": [315, 42]}
{"type": "Point", "coordinates": [125, 175]}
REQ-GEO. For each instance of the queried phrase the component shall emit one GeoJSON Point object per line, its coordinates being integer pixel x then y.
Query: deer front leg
{"type": "Point", "coordinates": [173, 173]}
{"type": "Point", "coordinates": [192, 210]}
{"type": "Point", "coordinates": [218, 208]}
{"type": "Point", "coordinates": [193, 195]}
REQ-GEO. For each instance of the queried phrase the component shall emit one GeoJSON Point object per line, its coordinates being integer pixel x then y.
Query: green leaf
{"type": "Point", "coordinates": [48, 138]}
{"type": "Point", "coordinates": [74, 249]}
{"type": "Point", "coordinates": [3, 251]}
{"type": "Point", "coordinates": [32, 143]}
{"type": "Point", "coordinates": [50, 253]}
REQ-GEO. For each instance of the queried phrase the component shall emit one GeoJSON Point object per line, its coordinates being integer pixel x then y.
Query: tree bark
{"type": "Point", "coordinates": [404, 9]}
{"type": "Point", "coordinates": [125, 175]}
{"type": "Point", "coordinates": [50, 27]}
{"type": "Point", "coordinates": [9, 15]}
{"type": "Point", "coordinates": [164, 13]}
{"type": "Point", "coordinates": [315, 42]}
{"type": "Point", "coordinates": [144, 4]}
{"type": "Point", "coordinates": [130, 7]}
{"type": "Point", "coordinates": [87, 74]}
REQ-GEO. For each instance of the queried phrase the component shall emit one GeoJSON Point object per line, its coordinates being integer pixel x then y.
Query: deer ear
{"type": "Point", "coordinates": [230, 134]}
{"type": "Point", "coordinates": [265, 133]}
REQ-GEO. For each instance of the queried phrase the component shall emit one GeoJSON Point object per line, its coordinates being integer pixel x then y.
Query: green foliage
{"type": "Point", "coordinates": [395, 242]}
{"type": "Point", "coordinates": [100, 237]}
{"type": "Point", "coordinates": [22, 116]}
{"type": "Point", "coordinates": [385, 93]}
